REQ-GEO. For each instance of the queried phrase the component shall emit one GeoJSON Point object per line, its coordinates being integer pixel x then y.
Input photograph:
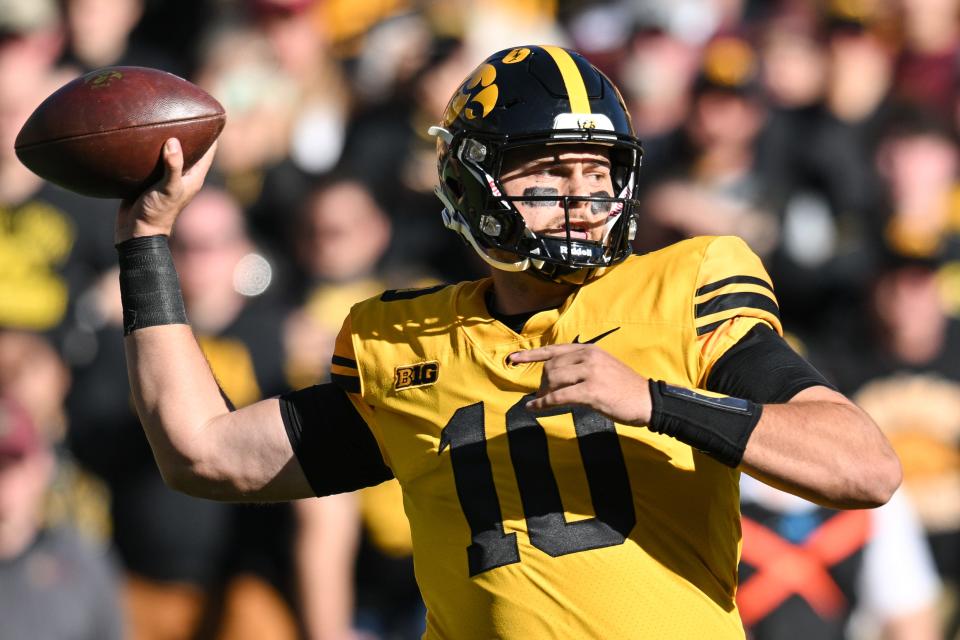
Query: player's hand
{"type": "Point", "coordinates": [585, 374]}
{"type": "Point", "coordinates": [157, 208]}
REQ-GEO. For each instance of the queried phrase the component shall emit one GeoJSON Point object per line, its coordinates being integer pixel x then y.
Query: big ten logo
{"type": "Point", "coordinates": [102, 79]}
{"type": "Point", "coordinates": [416, 375]}
{"type": "Point", "coordinates": [476, 97]}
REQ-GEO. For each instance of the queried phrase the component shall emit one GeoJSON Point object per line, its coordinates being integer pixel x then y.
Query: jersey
{"type": "Point", "coordinates": [560, 523]}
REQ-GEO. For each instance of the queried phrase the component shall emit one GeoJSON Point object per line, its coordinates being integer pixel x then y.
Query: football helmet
{"type": "Point", "coordinates": [524, 97]}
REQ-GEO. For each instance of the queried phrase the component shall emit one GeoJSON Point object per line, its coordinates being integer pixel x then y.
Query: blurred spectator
{"type": "Point", "coordinates": [239, 67]}
{"type": "Point", "coordinates": [33, 374]}
{"type": "Point", "coordinates": [52, 242]}
{"type": "Point", "coordinates": [300, 48]}
{"type": "Point", "coordinates": [31, 38]}
{"type": "Point", "coordinates": [98, 35]}
{"type": "Point", "coordinates": [919, 159]}
{"type": "Point", "coordinates": [389, 605]}
{"type": "Point", "coordinates": [389, 150]}
{"type": "Point", "coordinates": [320, 103]}
{"type": "Point", "coordinates": [787, 145]}
{"type": "Point", "coordinates": [53, 583]}
{"type": "Point", "coordinates": [927, 67]}
{"type": "Point", "coordinates": [861, 58]}
{"type": "Point", "coordinates": [829, 97]}
{"type": "Point", "coordinates": [904, 343]}
{"type": "Point", "coordinates": [339, 244]}
{"type": "Point", "coordinates": [808, 571]}
{"type": "Point", "coordinates": [721, 184]}
{"type": "Point", "coordinates": [657, 73]}
{"type": "Point", "coordinates": [325, 548]}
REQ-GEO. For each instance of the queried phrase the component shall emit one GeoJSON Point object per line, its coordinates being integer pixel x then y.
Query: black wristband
{"type": "Point", "coordinates": [149, 286]}
{"type": "Point", "coordinates": [719, 427]}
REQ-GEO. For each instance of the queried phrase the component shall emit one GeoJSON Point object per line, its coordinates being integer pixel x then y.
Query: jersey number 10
{"type": "Point", "coordinates": [549, 531]}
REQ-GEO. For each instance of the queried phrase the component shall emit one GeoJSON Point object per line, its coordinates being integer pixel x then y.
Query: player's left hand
{"type": "Point", "coordinates": [585, 374]}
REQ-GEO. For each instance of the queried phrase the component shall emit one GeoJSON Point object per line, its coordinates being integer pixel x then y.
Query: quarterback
{"type": "Point", "coordinates": [568, 432]}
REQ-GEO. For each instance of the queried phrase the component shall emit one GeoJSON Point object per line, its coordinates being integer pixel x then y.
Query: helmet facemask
{"type": "Point", "coordinates": [496, 228]}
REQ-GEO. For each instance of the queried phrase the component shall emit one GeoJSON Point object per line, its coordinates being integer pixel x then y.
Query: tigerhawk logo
{"type": "Point", "coordinates": [416, 375]}
{"type": "Point", "coordinates": [476, 97]}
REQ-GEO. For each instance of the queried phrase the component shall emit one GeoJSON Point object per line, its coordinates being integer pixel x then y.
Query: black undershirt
{"type": "Point", "coordinates": [515, 321]}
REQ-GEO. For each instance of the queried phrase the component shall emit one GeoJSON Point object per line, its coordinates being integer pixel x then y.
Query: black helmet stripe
{"type": "Point", "coordinates": [572, 79]}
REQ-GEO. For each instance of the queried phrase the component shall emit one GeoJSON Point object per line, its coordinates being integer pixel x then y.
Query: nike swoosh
{"type": "Point", "coordinates": [596, 339]}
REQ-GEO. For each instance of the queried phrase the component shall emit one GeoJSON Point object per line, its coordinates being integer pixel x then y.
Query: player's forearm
{"type": "Point", "coordinates": [826, 451]}
{"type": "Point", "coordinates": [176, 396]}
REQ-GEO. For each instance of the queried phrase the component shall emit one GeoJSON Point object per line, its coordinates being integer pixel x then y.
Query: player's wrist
{"type": "Point", "coordinates": [149, 285]}
{"type": "Point", "coordinates": [719, 427]}
{"type": "Point", "coordinates": [138, 230]}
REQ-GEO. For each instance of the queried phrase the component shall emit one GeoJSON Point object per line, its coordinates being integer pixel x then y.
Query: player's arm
{"type": "Point", "coordinates": [779, 420]}
{"type": "Point", "coordinates": [810, 440]}
{"type": "Point", "coordinates": [795, 434]}
{"type": "Point", "coordinates": [201, 447]}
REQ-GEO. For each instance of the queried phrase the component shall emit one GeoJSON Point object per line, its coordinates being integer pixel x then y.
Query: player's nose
{"type": "Point", "coordinates": [577, 186]}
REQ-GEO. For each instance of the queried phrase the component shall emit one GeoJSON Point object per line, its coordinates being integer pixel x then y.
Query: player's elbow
{"type": "Point", "coordinates": [197, 481]}
{"type": "Point", "coordinates": [186, 477]}
{"type": "Point", "coordinates": [209, 478]}
{"type": "Point", "coordinates": [188, 472]}
{"type": "Point", "coordinates": [887, 476]}
{"type": "Point", "coordinates": [873, 483]}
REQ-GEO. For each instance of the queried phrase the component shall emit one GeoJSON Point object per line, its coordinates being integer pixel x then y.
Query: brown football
{"type": "Point", "coordinates": [102, 134]}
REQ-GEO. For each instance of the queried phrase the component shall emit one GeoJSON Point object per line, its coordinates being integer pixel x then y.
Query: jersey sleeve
{"type": "Point", "coordinates": [343, 368]}
{"type": "Point", "coordinates": [345, 373]}
{"type": "Point", "coordinates": [733, 294]}
{"type": "Point", "coordinates": [331, 428]}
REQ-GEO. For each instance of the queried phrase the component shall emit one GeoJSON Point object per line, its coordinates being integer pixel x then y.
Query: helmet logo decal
{"type": "Point", "coordinates": [516, 55]}
{"type": "Point", "coordinates": [477, 96]}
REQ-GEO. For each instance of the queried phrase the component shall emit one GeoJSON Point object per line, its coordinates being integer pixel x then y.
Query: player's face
{"type": "Point", "coordinates": [565, 170]}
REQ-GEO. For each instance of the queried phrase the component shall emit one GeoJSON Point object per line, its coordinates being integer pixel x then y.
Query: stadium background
{"type": "Point", "coordinates": [823, 132]}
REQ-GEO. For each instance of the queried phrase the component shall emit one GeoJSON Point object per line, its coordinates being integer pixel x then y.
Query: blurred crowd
{"type": "Point", "coordinates": [823, 132]}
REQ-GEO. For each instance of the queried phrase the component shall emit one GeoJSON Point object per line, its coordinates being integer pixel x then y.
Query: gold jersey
{"type": "Point", "coordinates": [560, 524]}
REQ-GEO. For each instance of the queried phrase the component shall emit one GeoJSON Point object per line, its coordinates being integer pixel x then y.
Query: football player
{"type": "Point", "coordinates": [568, 432]}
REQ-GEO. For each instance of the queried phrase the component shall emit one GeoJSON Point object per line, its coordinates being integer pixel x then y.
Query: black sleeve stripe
{"type": "Point", "coordinates": [392, 295]}
{"type": "Point", "coordinates": [719, 284]}
{"type": "Point", "coordinates": [707, 328]}
{"type": "Point", "coordinates": [344, 362]}
{"type": "Point", "coordinates": [331, 441]}
{"type": "Point", "coordinates": [763, 368]}
{"type": "Point", "coordinates": [350, 384]}
{"type": "Point", "coordinates": [730, 301]}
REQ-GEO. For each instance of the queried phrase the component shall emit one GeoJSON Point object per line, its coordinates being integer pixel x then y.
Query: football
{"type": "Point", "coordinates": [101, 134]}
